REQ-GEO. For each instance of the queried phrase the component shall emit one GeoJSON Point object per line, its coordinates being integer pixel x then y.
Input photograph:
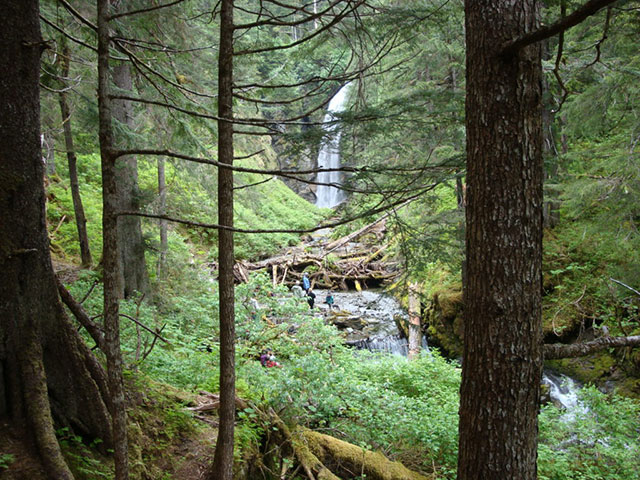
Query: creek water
{"type": "Point", "coordinates": [563, 390]}
{"type": "Point", "coordinates": [368, 319]}
{"type": "Point", "coordinates": [328, 196]}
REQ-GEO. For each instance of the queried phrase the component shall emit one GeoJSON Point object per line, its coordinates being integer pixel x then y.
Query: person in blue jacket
{"type": "Point", "coordinates": [306, 285]}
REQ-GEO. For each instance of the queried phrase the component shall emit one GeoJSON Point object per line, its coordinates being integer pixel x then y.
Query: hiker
{"type": "Point", "coordinates": [312, 298]}
{"type": "Point", "coordinates": [306, 284]}
{"type": "Point", "coordinates": [329, 300]}
{"type": "Point", "coordinates": [268, 359]}
{"type": "Point", "coordinates": [297, 291]}
{"type": "Point", "coordinates": [264, 357]}
{"type": "Point", "coordinates": [272, 362]}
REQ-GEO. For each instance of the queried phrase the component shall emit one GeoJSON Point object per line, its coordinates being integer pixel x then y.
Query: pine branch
{"type": "Point", "coordinates": [589, 8]}
{"type": "Point", "coordinates": [143, 10]}
{"type": "Point", "coordinates": [77, 14]}
{"type": "Point", "coordinates": [214, 226]}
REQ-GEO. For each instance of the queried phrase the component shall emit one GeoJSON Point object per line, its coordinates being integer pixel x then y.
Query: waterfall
{"type": "Point", "coordinates": [329, 156]}
{"type": "Point", "coordinates": [562, 390]}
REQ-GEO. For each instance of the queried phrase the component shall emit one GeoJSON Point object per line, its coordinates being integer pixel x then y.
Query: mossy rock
{"type": "Point", "coordinates": [444, 320]}
{"type": "Point", "coordinates": [592, 369]}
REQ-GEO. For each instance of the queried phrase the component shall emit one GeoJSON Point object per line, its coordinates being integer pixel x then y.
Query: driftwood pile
{"type": "Point", "coordinates": [339, 264]}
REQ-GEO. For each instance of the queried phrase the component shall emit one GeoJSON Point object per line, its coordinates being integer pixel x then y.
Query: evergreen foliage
{"type": "Point", "coordinates": [405, 125]}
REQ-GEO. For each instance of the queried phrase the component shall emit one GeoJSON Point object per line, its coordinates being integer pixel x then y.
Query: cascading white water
{"type": "Point", "coordinates": [562, 390]}
{"type": "Point", "coordinates": [328, 196]}
{"type": "Point", "coordinates": [374, 315]}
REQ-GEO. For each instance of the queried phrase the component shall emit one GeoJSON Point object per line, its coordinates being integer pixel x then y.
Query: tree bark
{"type": "Point", "coordinates": [502, 360]}
{"type": "Point", "coordinates": [78, 210]}
{"type": "Point", "coordinates": [133, 268]}
{"type": "Point", "coordinates": [223, 458]}
{"type": "Point", "coordinates": [162, 194]}
{"type": "Point", "coordinates": [46, 372]}
{"type": "Point", "coordinates": [415, 332]}
{"type": "Point", "coordinates": [110, 262]}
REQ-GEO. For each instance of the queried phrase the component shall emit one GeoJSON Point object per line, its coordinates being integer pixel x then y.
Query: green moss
{"type": "Point", "coordinates": [445, 321]}
{"type": "Point", "coordinates": [349, 457]}
{"type": "Point", "coordinates": [592, 369]}
{"type": "Point", "coordinates": [157, 428]}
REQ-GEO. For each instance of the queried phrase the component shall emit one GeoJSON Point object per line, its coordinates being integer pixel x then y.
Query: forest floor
{"type": "Point", "coordinates": [18, 461]}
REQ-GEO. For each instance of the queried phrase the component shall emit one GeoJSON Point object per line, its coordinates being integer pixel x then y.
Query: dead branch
{"type": "Point", "coordinates": [81, 315]}
{"type": "Point", "coordinates": [138, 322]}
{"type": "Point", "coordinates": [625, 285]}
{"type": "Point", "coordinates": [589, 8]}
{"type": "Point", "coordinates": [561, 350]}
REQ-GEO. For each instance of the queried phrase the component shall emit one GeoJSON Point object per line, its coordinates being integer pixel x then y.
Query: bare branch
{"type": "Point", "coordinates": [338, 18]}
{"type": "Point", "coordinates": [70, 37]}
{"type": "Point", "coordinates": [77, 14]}
{"type": "Point", "coordinates": [240, 187]}
{"type": "Point", "coordinates": [589, 8]}
{"type": "Point", "coordinates": [171, 106]}
{"type": "Point", "coordinates": [206, 161]}
{"type": "Point", "coordinates": [214, 226]}
{"type": "Point", "coordinates": [138, 322]}
{"type": "Point", "coordinates": [144, 10]}
{"type": "Point", "coordinates": [81, 315]}
{"type": "Point", "coordinates": [605, 32]}
{"type": "Point", "coordinates": [625, 285]}
{"type": "Point", "coordinates": [275, 21]}
{"type": "Point", "coordinates": [138, 62]}
{"type": "Point", "coordinates": [556, 67]}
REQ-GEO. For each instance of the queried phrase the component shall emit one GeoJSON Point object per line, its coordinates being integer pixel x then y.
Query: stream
{"type": "Point", "coordinates": [368, 318]}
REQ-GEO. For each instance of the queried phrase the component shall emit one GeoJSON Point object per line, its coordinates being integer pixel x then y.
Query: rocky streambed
{"type": "Point", "coordinates": [368, 318]}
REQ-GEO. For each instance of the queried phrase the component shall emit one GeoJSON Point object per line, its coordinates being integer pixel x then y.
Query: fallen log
{"type": "Point", "coordinates": [560, 350]}
{"type": "Point", "coordinates": [323, 457]}
{"type": "Point", "coordinates": [350, 461]}
{"type": "Point", "coordinates": [352, 236]}
{"type": "Point", "coordinates": [208, 402]}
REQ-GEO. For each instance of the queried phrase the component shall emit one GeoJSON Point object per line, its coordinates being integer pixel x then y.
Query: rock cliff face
{"type": "Point", "coordinates": [304, 160]}
{"type": "Point", "coordinates": [291, 157]}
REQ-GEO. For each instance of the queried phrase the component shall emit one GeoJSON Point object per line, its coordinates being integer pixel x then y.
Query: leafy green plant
{"type": "Point", "coordinates": [6, 459]}
{"type": "Point", "coordinates": [599, 440]}
{"type": "Point", "coordinates": [83, 460]}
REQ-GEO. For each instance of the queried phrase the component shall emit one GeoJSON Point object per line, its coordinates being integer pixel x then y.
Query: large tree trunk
{"type": "Point", "coordinates": [44, 366]}
{"type": "Point", "coordinates": [223, 459]}
{"type": "Point", "coordinates": [110, 263]}
{"type": "Point", "coordinates": [81, 219]}
{"type": "Point", "coordinates": [502, 361]}
{"type": "Point", "coordinates": [133, 269]}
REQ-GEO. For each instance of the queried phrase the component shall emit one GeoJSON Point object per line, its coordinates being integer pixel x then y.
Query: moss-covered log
{"type": "Point", "coordinates": [350, 461]}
